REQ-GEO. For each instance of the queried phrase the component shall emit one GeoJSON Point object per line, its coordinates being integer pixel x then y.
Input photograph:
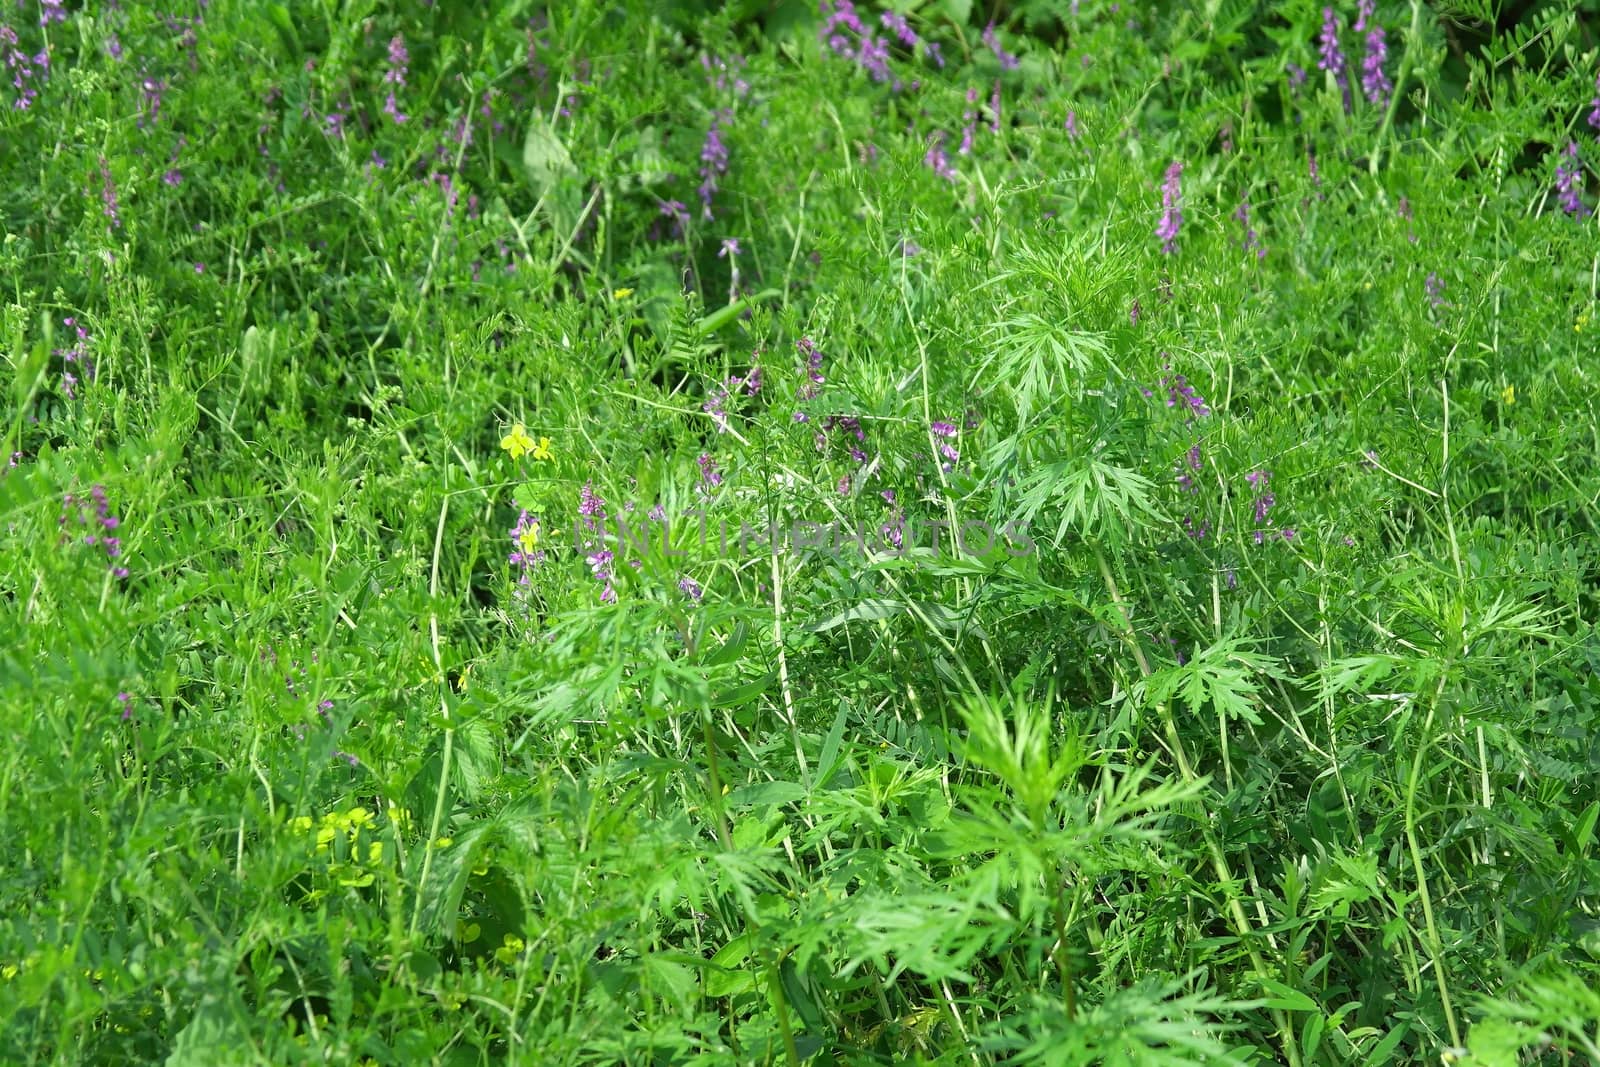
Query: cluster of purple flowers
{"type": "Point", "coordinates": [395, 77]}
{"type": "Point", "coordinates": [716, 404]}
{"type": "Point", "coordinates": [1192, 463]}
{"type": "Point", "coordinates": [813, 357]}
{"type": "Point", "coordinates": [1171, 209]}
{"type": "Point", "coordinates": [76, 356]}
{"type": "Point", "coordinates": [1252, 243]}
{"type": "Point", "coordinates": [524, 555]}
{"type": "Point", "coordinates": [100, 528]}
{"type": "Point", "coordinates": [1265, 501]}
{"type": "Point", "coordinates": [849, 426]}
{"type": "Point", "coordinates": [990, 38]}
{"type": "Point", "coordinates": [944, 433]}
{"type": "Point", "coordinates": [723, 74]}
{"type": "Point", "coordinates": [1594, 114]}
{"type": "Point", "coordinates": [849, 38]}
{"type": "Point", "coordinates": [600, 558]}
{"type": "Point", "coordinates": [710, 475]}
{"type": "Point", "coordinates": [1374, 82]}
{"type": "Point", "coordinates": [27, 71]}
{"type": "Point", "coordinates": [108, 196]}
{"type": "Point", "coordinates": [937, 159]}
{"type": "Point", "coordinates": [1433, 285]}
{"type": "Point", "coordinates": [896, 24]}
{"type": "Point", "coordinates": [1569, 182]}
{"type": "Point", "coordinates": [713, 161]}
{"type": "Point", "coordinates": [1180, 394]}
{"type": "Point", "coordinates": [1331, 58]}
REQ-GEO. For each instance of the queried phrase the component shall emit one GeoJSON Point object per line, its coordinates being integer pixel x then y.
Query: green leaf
{"type": "Point", "coordinates": [1286, 998]}
{"type": "Point", "coordinates": [763, 793]}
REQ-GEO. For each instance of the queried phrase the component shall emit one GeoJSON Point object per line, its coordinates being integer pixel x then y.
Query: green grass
{"type": "Point", "coordinates": [1251, 718]}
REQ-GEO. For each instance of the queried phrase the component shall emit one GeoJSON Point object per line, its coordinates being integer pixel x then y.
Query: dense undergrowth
{"type": "Point", "coordinates": [1055, 534]}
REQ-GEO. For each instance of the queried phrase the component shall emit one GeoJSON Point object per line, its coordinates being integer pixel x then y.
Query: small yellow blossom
{"type": "Point", "coordinates": [301, 824]}
{"type": "Point", "coordinates": [1583, 320]}
{"type": "Point", "coordinates": [508, 952]}
{"type": "Point", "coordinates": [470, 933]}
{"type": "Point", "coordinates": [1508, 395]}
{"type": "Point", "coordinates": [9, 971]}
{"type": "Point", "coordinates": [621, 294]}
{"type": "Point", "coordinates": [528, 539]}
{"type": "Point", "coordinates": [443, 842]}
{"type": "Point", "coordinates": [517, 442]}
{"type": "Point", "coordinates": [541, 451]}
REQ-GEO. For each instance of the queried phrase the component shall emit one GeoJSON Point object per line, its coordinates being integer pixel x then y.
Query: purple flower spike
{"type": "Point", "coordinates": [937, 159]}
{"type": "Point", "coordinates": [1332, 57]}
{"type": "Point", "coordinates": [1374, 82]}
{"type": "Point", "coordinates": [1171, 209]}
{"type": "Point", "coordinates": [1569, 183]}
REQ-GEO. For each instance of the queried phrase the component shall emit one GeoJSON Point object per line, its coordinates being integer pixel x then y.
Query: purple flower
{"type": "Point", "coordinates": [713, 162]}
{"type": "Point", "coordinates": [1251, 241]}
{"type": "Point", "coordinates": [1364, 10]}
{"type": "Point", "coordinates": [1133, 313]}
{"type": "Point", "coordinates": [126, 700]}
{"type": "Point", "coordinates": [1594, 116]}
{"type": "Point", "coordinates": [678, 212]}
{"type": "Point", "coordinates": [26, 70]}
{"type": "Point", "coordinates": [1374, 82]}
{"type": "Point", "coordinates": [1180, 394]}
{"type": "Point", "coordinates": [710, 476]}
{"type": "Point", "coordinates": [690, 588]}
{"type": "Point", "coordinates": [994, 108]}
{"type": "Point", "coordinates": [150, 90]}
{"type": "Point", "coordinates": [50, 11]}
{"type": "Point", "coordinates": [937, 159]}
{"type": "Point", "coordinates": [1071, 126]}
{"type": "Point", "coordinates": [1434, 287]}
{"type": "Point", "coordinates": [1171, 209]}
{"type": "Point", "coordinates": [1007, 60]}
{"type": "Point", "coordinates": [1259, 481]}
{"type": "Point", "coordinates": [896, 24]}
{"type": "Point", "coordinates": [1332, 57]}
{"type": "Point", "coordinates": [1569, 183]}
{"type": "Point", "coordinates": [599, 558]}
{"type": "Point", "coordinates": [970, 118]}
{"type": "Point", "coordinates": [101, 529]}
{"type": "Point", "coordinates": [76, 356]}
{"type": "Point", "coordinates": [395, 77]}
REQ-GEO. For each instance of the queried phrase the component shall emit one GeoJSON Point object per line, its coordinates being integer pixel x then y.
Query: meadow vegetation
{"type": "Point", "coordinates": [1033, 533]}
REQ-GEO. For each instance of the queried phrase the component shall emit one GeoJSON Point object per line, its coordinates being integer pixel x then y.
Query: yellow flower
{"type": "Point", "coordinates": [517, 442]}
{"type": "Point", "coordinates": [1583, 320]}
{"type": "Point", "coordinates": [621, 294]}
{"type": "Point", "coordinates": [9, 971]}
{"type": "Point", "coordinates": [1508, 395]}
{"type": "Point", "coordinates": [508, 952]}
{"type": "Point", "coordinates": [443, 842]}
{"type": "Point", "coordinates": [356, 818]}
{"type": "Point", "coordinates": [541, 451]}
{"type": "Point", "coordinates": [528, 539]}
{"type": "Point", "coordinates": [300, 824]}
